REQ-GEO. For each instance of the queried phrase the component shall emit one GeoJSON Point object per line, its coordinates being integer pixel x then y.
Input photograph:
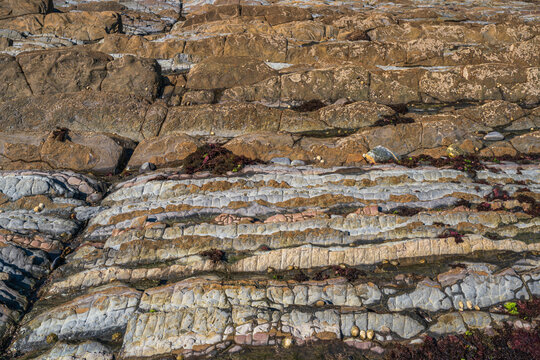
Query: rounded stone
{"type": "Point", "coordinates": [355, 331]}
{"type": "Point", "coordinates": [380, 154]}
{"type": "Point", "coordinates": [370, 334]}
{"type": "Point", "coordinates": [494, 136]}
{"type": "Point", "coordinates": [287, 342]}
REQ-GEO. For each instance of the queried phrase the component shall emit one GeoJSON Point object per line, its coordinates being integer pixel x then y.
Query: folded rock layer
{"type": "Point", "coordinates": [268, 179]}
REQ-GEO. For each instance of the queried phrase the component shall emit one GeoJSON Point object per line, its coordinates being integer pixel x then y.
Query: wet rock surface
{"type": "Point", "coordinates": [377, 182]}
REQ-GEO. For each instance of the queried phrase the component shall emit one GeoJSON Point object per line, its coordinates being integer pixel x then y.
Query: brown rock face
{"type": "Point", "coordinates": [63, 71]}
{"type": "Point", "coordinates": [69, 71]}
{"type": "Point", "coordinates": [527, 143]}
{"type": "Point", "coordinates": [227, 119]}
{"type": "Point", "coordinates": [498, 149]}
{"type": "Point", "coordinates": [95, 111]}
{"type": "Point", "coordinates": [13, 8]}
{"type": "Point", "coordinates": [13, 82]}
{"type": "Point", "coordinates": [164, 150]}
{"type": "Point", "coordinates": [83, 26]}
{"type": "Point", "coordinates": [16, 147]}
{"type": "Point", "coordinates": [227, 72]}
{"type": "Point", "coordinates": [79, 151]}
{"type": "Point", "coordinates": [265, 146]}
{"type": "Point", "coordinates": [140, 46]}
{"type": "Point", "coordinates": [494, 113]}
{"type": "Point", "coordinates": [98, 153]}
{"type": "Point", "coordinates": [80, 26]}
{"type": "Point", "coordinates": [140, 77]}
{"type": "Point", "coordinates": [274, 15]}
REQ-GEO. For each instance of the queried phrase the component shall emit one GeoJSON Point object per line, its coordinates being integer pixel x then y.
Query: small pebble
{"type": "Point", "coordinates": [454, 150]}
{"type": "Point", "coordinates": [370, 334]}
{"type": "Point", "coordinates": [380, 154]}
{"type": "Point", "coordinates": [287, 342]}
{"type": "Point", "coordinates": [363, 334]}
{"type": "Point", "coordinates": [494, 136]}
{"type": "Point", "coordinates": [355, 331]}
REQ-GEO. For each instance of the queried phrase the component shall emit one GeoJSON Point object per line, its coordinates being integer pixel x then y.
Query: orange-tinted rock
{"type": "Point", "coordinates": [168, 149]}
{"type": "Point", "coordinates": [227, 72]}
{"type": "Point", "coordinates": [132, 75]}
{"type": "Point", "coordinates": [13, 8]}
{"type": "Point", "coordinates": [527, 143]}
{"type": "Point", "coordinates": [59, 71]}
{"type": "Point", "coordinates": [12, 80]}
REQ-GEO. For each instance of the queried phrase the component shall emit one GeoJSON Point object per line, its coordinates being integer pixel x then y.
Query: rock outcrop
{"type": "Point", "coordinates": [269, 179]}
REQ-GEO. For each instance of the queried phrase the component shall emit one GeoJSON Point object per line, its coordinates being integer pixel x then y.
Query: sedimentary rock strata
{"type": "Point", "coordinates": [212, 178]}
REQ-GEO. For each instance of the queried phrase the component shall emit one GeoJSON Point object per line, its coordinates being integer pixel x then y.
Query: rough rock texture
{"type": "Point", "coordinates": [380, 177]}
{"type": "Point", "coordinates": [94, 152]}
{"type": "Point", "coordinates": [313, 271]}
{"type": "Point", "coordinates": [227, 72]}
{"type": "Point", "coordinates": [163, 150]}
{"type": "Point", "coordinates": [13, 8]}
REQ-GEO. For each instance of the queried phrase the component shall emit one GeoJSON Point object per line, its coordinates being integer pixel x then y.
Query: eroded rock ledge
{"type": "Point", "coordinates": [171, 263]}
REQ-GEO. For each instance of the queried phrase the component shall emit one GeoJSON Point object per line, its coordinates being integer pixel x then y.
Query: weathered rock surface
{"type": "Point", "coordinates": [13, 8]}
{"type": "Point", "coordinates": [38, 217]}
{"type": "Point", "coordinates": [227, 72]}
{"type": "Point", "coordinates": [163, 150]}
{"type": "Point", "coordinates": [94, 152]}
{"type": "Point", "coordinates": [109, 249]}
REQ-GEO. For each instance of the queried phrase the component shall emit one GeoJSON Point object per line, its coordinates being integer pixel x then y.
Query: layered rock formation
{"type": "Point", "coordinates": [377, 181]}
